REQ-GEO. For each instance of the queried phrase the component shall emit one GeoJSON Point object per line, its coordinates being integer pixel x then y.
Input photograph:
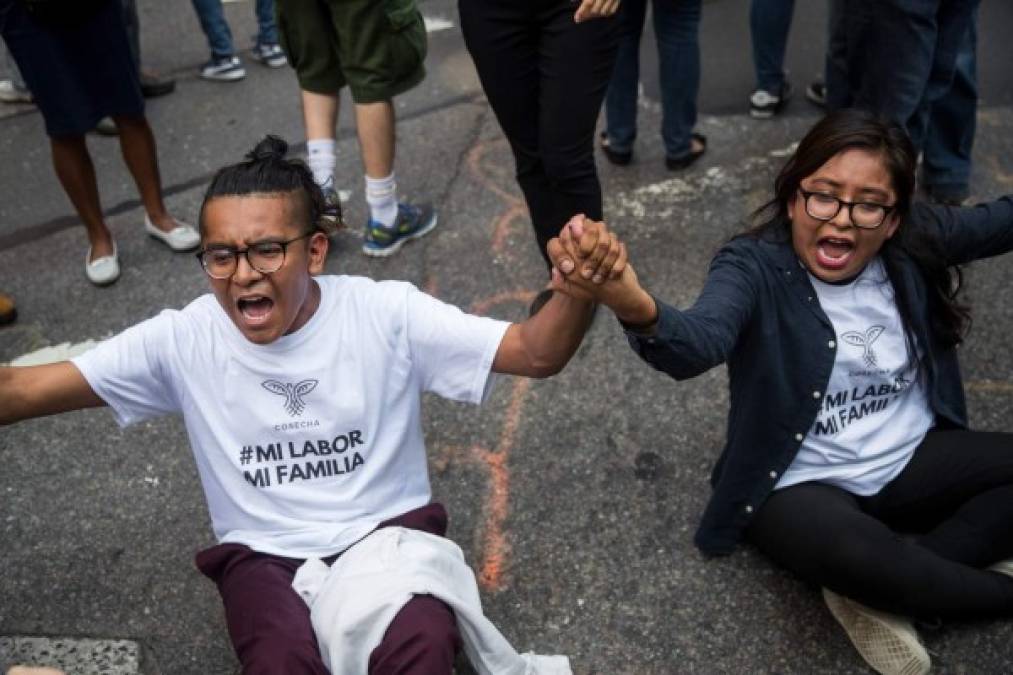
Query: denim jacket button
{"type": "Point", "coordinates": [799, 437]}
{"type": "Point", "coordinates": [816, 394]}
{"type": "Point", "coordinates": [773, 474]}
{"type": "Point", "coordinates": [749, 508]}
{"type": "Point", "coordinates": [831, 344]}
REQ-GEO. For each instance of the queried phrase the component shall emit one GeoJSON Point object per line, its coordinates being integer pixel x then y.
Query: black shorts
{"type": "Point", "coordinates": [78, 72]}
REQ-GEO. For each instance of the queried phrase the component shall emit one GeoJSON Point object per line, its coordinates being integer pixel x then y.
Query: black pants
{"type": "Point", "coordinates": [545, 78]}
{"type": "Point", "coordinates": [918, 548]}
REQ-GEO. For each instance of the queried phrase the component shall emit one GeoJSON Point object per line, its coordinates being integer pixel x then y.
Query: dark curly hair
{"type": "Point", "coordinates": [266, 171]}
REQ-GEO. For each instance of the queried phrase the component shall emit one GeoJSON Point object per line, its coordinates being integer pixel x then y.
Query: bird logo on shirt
{"type": "Point", "coordinates": [293, 393]}
{"type": "Point", "coordinates": [865, 341]}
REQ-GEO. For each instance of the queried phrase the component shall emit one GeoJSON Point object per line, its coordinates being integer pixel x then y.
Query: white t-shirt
{"type": "Point", "coordinates": [303, 445]}
{"type": "Point", "coordinates": [875, 411]}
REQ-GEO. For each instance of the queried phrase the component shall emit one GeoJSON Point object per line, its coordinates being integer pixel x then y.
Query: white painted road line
{"type": "Point", "coordinates": [60, 352]}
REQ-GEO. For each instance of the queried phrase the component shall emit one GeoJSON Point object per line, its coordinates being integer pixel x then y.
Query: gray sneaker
{"type": "Point", "coordinates": [12, 93]}
{"type": "Point", "coordinates": [271, 55]}
{"type": "Point", "coordinates": [764, 104]}
{"type": "Point", "coordinates": [332, 207]}
{"type": "Point", "coordinates": [223, 69]}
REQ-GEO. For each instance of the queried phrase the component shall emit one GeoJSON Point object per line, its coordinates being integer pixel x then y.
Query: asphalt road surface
{"type": "Point", "coordinates": [574, 498]}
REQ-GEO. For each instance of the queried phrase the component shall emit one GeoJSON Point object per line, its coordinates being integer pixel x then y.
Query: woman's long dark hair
{"type": "Point", "coordinates": [849, 129]}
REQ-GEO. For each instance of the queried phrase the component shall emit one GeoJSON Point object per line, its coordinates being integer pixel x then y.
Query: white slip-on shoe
{"type": "Point", "coordinates": [183, 237]}
{"type": "Point", "coordinates": [102, 271]}
{"type": "Point", "coordinates": [887, 642]}
{"type": "Point", "coordinates": [1003, 567]}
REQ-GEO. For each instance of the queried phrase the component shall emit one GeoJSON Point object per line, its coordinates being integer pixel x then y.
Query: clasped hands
{"type": "Point", "coordinates": [589, 262]}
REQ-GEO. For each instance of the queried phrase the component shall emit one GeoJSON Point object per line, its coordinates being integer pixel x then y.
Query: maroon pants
{"type": "Point", "coordinates": [270, 628]}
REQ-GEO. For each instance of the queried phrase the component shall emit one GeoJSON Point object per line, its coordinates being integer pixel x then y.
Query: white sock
{"type": "Point", "coordinates": [322, 160]}
{"type": "Point", "coordinates": [381, 195]}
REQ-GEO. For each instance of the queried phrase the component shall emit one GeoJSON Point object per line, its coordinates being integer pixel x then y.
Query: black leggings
{"type": "Point", "coordinates": [918, 548]}
{"type": "Point", "coordinates": [545, 78]}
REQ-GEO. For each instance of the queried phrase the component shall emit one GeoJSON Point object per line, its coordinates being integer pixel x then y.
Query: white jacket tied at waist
{"type": "Point", "coordinates": [354, 601]}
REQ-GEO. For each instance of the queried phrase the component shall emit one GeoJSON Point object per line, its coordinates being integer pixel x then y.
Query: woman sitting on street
{"type": "Point", "coordinates": [848, 458]}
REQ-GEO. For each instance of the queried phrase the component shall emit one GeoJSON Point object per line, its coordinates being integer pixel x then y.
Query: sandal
{"type": "Point", "coordinates": [676, 163]}
{"type": "Point", "coordinates": [617, 158]}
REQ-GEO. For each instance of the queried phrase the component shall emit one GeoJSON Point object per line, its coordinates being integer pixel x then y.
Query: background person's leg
{"type": "Point", "coordinates": [575, 66]}
{"type": "Point", "coordinates": [137, 144]}
{"type": "Point", "coordinates": [224, 65]}
{"type": "Point", "coordinates": [267, 29]}
{"type": "Point", "coordinates": [769, 24]}
{"type": "Point", "coordinates": [503, 40]}
{"type": "Point", "coordinates": [215, 27]}
{"type": "Point", "coordinates": [76, 172]}
{"type": "Point", "coordinates": [375, 126]}
{"type": "Point", "coordinates": [624, 85]}
{"type": "Point", "coordinates": [423, 639]}
{"type": "Point", "coordinates": [677, 28]}
{"type": "Point", "coordinates": [949, 136]}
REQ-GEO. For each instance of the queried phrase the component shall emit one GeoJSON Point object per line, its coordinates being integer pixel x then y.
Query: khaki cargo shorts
{"type": "Point", "coordinates": [376, 47]}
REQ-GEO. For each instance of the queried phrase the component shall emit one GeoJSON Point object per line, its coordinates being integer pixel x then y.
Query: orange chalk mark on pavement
{"type": "Point", "coordinates": [516, 207]}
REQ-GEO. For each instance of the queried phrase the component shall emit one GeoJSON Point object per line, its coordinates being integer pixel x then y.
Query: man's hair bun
{"type": "Point", "coordinates": [270, 147]}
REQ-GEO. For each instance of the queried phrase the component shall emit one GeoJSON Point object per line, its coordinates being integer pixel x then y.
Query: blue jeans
{"type": "Point", "coordinates": [769, 23]}
{"type": "Point", "coordinates": [950, 123]}
{"type": "Point", "coordinates": [929, 85]}
{"type": "Point", "coordinates": [920, 41]}
{"type": "Point", "coordinates": [676, 26]}
{"type": "Point", "coordinates": [212, 22]}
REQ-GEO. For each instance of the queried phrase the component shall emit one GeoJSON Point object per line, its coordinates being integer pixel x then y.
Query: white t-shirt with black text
{"type": "Point", "coordinates": [875, 411]}
{"type": "Point", "coordinates": [305, 444]}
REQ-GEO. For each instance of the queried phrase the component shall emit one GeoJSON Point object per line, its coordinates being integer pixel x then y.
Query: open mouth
{"type": "Point", "coordinates": [255, 308]}
{"type": "Point", "coordinates": [834, 253]}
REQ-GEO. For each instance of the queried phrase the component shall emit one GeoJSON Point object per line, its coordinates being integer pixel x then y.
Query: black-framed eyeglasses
{"type": "Point", "coordinates": [866, 215]}
{"type": "Point", "coordinates": [267, 257]}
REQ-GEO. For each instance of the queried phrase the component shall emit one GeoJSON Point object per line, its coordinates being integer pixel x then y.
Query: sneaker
{"type": "Point", "coordinates": [106, 127]}
{"type": "Point", "coordinates": [223, 69]}
{"type": "Point", "coordinates": [153, 86]}
{"type": "Point", "coordinates": [8, 311]}
{"type": "Point", "coordinates": [332, 206]}
{"type": "Point", "coordinates": [764, 105]}
{"type": "Point", "coordinates": [412, 222]}
{"type": "Point", "coordinates": [11, 93]}
{"type": "Point", "coordinates": [271, 55]}
{"type": "Point", "coordinates": [887, 642]}
{"type": "Point", "coordinates": [816, 92]}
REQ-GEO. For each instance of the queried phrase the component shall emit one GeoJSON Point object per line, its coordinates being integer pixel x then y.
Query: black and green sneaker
{"type": "Point", "coordinates": [412, 222]}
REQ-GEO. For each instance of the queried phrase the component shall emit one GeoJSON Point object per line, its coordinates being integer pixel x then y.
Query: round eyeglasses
{"type": "Point", "coordinates": [866, 215]}
{"type": "Point", "coordinates": [266, 257]}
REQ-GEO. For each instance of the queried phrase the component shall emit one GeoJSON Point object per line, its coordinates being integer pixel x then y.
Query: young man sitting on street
{"type": "Point", "coordinates": [301, 398]}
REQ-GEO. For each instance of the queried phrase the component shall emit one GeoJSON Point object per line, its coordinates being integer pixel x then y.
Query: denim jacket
{"type": "Point", "coordinates": [759, 313]}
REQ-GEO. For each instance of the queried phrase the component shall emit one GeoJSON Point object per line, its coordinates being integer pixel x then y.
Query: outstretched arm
{"type": "Point", "coordinates": [542, 345]}
{"type": "Point", "coordinates": [36, 391]}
